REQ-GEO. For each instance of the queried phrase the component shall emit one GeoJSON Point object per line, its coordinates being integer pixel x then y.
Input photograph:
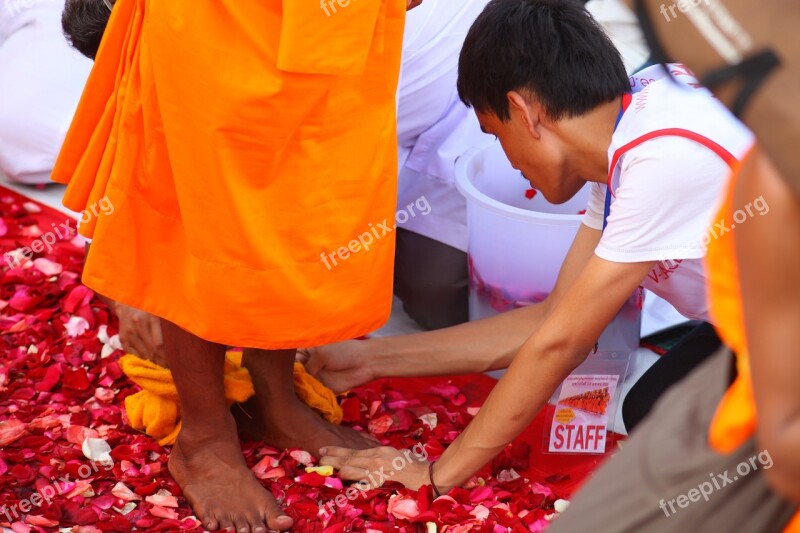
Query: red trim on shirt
{"type": "Point", "coordinates": [724, 154]}
{"type": "Point", "coordinates": [627, 98]}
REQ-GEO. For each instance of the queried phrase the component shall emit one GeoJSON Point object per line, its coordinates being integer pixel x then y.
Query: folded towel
{"type": "Point", "coordinates": [156, 408]}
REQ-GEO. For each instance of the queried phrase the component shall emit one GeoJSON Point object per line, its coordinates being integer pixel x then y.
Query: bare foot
{"type": "Point", "coordinates": [296, 426]}
{"type": "Point", "coordinates": [219, 486]}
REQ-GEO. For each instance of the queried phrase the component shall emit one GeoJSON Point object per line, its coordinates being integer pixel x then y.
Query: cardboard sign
{"type": "Point", "coordinates": [581, 417]}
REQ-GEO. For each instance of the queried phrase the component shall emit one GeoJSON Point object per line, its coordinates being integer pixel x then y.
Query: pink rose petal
{"type": "Point", "coordinates": [122, 492]}
{"type": "Point", "coordinates": [162, 500]}
{"type": "Point", "coordinates": [163, 512]}
{"type": "Point", "coordinates": [40, 521]}
{"type": "Point", "coordinates": [47, 267]}
{"type": "Point", "coordinates": [302, 457]}
{"type": "Point", "coordinates": [403, 508]}
{"type": "Point", "coordinates": [76, 326]}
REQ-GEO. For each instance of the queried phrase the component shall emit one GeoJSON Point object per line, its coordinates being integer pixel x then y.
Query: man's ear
{"type": "Point", "coordinates": [526, 112]}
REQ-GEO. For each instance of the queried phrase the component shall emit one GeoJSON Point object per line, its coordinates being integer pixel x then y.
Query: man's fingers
{"type": "Point", "coordinates": [156, 337]}
{"type": "Point", "coordinates": [314, 364]}
{"type": "Point", "coordinates": [354, 473]}
{"type": "Point", "coordinates": [340, 458]}
{"type": "Point", "coordinates": [302, 356]}
{"type": "Point", "coordinates": [338, 451]}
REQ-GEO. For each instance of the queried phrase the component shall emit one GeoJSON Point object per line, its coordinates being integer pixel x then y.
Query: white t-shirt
{"type": "Point", "coordinates": [667, 189]}
{"type": "Point", "coordinates": [434, 128]}
{"type": "Point", "coordinates": [41, 81]}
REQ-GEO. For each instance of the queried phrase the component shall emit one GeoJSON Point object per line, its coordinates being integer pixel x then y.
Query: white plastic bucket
{"type": "Point", "coordinates": [517, 245]}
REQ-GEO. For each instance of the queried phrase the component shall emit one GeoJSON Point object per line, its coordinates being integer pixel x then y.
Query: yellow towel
{"type": "Point", "coordinates": [156, 409]}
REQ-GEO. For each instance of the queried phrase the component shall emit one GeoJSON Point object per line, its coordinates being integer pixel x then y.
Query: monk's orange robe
{"type": "Point", "coordinates": [238, 141]}
{"type": "Point", "coordinates": [736, 417]}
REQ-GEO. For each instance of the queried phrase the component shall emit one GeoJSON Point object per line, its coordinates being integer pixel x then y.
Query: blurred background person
{"type": "Point", "coordinates": [41, 80]}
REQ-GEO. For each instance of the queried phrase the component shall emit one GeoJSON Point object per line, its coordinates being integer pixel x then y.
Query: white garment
{"type": "Point", "coordinates": [41, 81]}
{"type": "Point", "coordinates": [435, 128]}
{"type": "Point", "coordinates": [667, 189]}
{"type": "Point", "coordinates": [622, 26]}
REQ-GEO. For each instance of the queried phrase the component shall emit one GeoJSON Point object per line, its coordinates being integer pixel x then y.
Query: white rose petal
{"type": "Point", "coordinates": [102, 334]}
{"type": "Point", "coordinates": [127, 508]}
{"type": "Point", "coordinates": [97, 450]}
{"type": "Point", "coordinates": [76, 325]}
{"type": "Point", "coordinates": [31, 207]}
{"type": "Point", "coordinates": [430, 420]}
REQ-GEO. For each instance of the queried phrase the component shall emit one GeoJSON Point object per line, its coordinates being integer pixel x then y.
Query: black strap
{"type": "Point", "coordinates": [754, 70]}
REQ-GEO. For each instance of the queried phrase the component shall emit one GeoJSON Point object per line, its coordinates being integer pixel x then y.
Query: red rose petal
{"type": "Point", "coordinates": [51, 377]}
{"type": "Point", "coordinates": [76, 379]}
{"type": "Point", "coordinates": [381, 425]}
{"type": "Point", "coordinates": [58, 389]}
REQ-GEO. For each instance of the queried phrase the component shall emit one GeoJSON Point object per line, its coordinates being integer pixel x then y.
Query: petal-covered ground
{"type": "Point", "coordinates": [69, 462]}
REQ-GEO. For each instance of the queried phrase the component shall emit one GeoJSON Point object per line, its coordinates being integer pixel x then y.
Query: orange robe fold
{"type": "Point", "coordinates": [234, 145]}
{"type": "Point", "coordinates": [156, 408]}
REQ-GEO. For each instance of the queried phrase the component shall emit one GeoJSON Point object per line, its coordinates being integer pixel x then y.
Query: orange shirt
{"type": "Point", "coordinates": [736, 418]}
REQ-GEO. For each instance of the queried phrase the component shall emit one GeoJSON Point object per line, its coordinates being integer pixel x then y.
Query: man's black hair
{"type": "Point", "coordinates": [553, 50]}
{"type": "Point", "coordinates": [84, 22]}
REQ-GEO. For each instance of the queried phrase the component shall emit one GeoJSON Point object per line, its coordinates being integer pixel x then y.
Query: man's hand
{"type": "Point", "coordinates": [378, 465]}
{"type": "Point", "coordinates": [340, 366]}
{"type": "Point", "coordinates": [411, 4]}
{"type": "Point", "coordinates": [140, 333]}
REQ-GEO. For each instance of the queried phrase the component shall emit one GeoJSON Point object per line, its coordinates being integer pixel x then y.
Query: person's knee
{"type": "Point", "coordinates": [435, 307]}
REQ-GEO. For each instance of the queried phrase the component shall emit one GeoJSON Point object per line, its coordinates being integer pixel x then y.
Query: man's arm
{"type": "Point", "coordinates": [562, 343]}
{"type": "Point", "coordinates": [544, 361]}
{"type": "Point", "coordinates": [488, 344]}
{"type": "Point", "coordinates": [768, 253]}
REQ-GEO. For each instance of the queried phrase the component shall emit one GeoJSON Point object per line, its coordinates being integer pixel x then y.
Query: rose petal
{"type": "Point", "coordinates": [19, 527]}
{"type": "Point", "coordinates": [162, 499]}
{"type": "Point", "coordinates": [321, 470]}
{"type": "Point", "coordinates": [76, 326]}
{"type": "Point", "coordinates": [381, 425]}
{"type": "Point", "coordinates": [97, 450]}
{"type": "Point", "coordinates": [47, 267]}
{"type": "Point", "coordinates": [403, 508]}
{"type": "Point", "coordinates": [163, 512]}
{"type": "Point", "coordinates": [77, 434]}
{"type": "Point", "coordinates": [11, 430]}
{"type": "Point", "coordinates": [40, 521]}
{"type": "Point", "coordinates": [302, 457]}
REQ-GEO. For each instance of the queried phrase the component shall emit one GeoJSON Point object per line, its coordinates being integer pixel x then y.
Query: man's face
{"type": "Point", "coordinates": [533, 147]}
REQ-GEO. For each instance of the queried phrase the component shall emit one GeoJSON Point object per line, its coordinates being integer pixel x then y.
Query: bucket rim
{"type": "Point", "coordinates": [471, 193]}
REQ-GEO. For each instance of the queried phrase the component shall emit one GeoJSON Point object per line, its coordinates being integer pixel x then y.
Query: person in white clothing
{"type": "Point", "coordinates": [434, 129]}
{"type": "Point", "coordinates": [543, 77]}
{"type": "Point", "coordinates": [41, 81]}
